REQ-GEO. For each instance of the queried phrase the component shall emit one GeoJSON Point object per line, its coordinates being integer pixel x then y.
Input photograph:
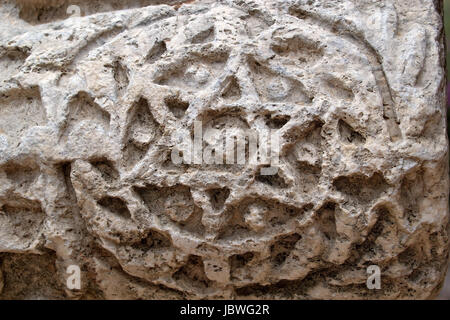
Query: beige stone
{"type": "Point", "coordinates": [91, 108]}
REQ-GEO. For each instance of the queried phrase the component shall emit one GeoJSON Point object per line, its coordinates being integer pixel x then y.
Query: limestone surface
{"type": "Point", "coordinates": [95, 94]}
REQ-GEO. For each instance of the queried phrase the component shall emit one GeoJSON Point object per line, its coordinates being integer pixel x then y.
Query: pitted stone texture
{"type": "Point", "coordinates": [90, 108]}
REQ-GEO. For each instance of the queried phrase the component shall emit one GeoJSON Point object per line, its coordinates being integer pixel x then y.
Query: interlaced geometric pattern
{"type": "Point", "coordinates": [92, 107]}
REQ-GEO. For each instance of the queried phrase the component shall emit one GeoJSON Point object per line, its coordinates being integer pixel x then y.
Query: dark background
{"type": "Point", "coordinates": [445, 294]}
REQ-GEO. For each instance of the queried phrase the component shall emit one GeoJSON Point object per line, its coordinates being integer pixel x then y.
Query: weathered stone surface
{"type": "Point", "coordinates": [89, 108]}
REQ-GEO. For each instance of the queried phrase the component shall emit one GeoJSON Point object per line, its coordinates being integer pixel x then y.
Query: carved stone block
{"type": "Point", "coordinates": [95, 99]}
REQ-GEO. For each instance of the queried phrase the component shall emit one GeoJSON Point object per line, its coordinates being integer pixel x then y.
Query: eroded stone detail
{"type": "Point", "coordinates": [90, 108]}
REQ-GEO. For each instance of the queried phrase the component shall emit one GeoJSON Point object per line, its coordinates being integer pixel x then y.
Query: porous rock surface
{"type": "Point", "coordinates": [89, 106]}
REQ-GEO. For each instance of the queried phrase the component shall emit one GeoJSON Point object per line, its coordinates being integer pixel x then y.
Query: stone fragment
{"type": "Point", "coordinates": [94, 99]}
